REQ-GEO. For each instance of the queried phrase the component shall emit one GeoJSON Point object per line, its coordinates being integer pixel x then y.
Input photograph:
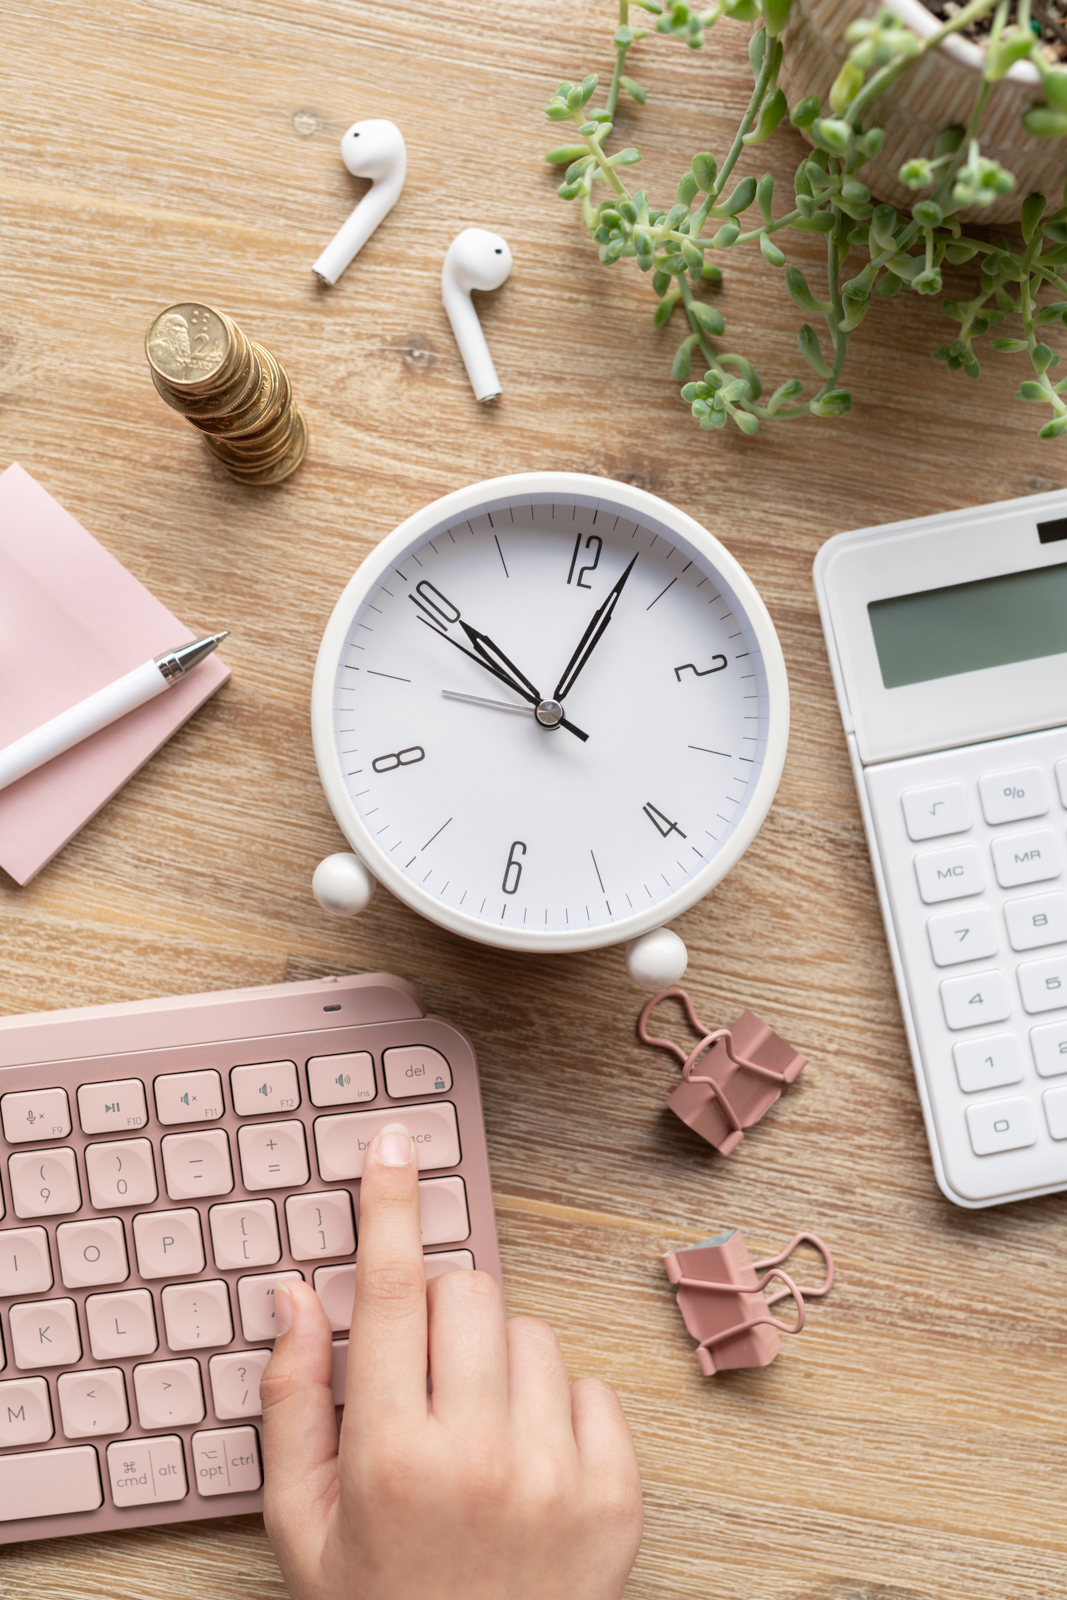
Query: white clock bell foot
{"type": "Point", "coordinates": [343, 885]}
{"type": "Point", "coordinates": [656, 960]}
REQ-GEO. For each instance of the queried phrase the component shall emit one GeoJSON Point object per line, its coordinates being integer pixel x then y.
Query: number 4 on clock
{"type": "Point", "coordinates": [663, 823]}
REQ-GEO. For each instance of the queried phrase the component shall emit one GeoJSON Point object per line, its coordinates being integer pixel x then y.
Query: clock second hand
{"type": "Point", "coordinates": [480, 700]}
{"type": "Point", "coordinates": [518, 683]}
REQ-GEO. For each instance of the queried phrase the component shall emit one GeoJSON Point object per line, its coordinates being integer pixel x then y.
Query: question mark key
{"type": "Point", "coordinates": [235, 1379]}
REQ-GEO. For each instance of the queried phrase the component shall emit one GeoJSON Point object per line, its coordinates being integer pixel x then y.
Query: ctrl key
{"type": "Point", "coordinates": [144, 1471]}
{"type": "Point", "coordinates": [226, 1461]}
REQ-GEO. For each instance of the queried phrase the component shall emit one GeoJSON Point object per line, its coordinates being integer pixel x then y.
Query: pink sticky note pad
{"type": "Point", "coordinates": [72, 620]}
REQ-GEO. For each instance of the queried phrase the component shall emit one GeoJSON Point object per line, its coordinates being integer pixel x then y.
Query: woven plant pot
{"type": "Point", "coordinates": [936, 92]}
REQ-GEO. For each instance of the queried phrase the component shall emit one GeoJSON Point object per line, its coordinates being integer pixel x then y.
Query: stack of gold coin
{"type": "Point", "coordinates": [229, 387]}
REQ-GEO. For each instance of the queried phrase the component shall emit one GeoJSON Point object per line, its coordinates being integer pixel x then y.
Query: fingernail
{"type": "Point", "coordinates": [395, 1147]}
{"type": "Point", "coordinates": [283, 1309]}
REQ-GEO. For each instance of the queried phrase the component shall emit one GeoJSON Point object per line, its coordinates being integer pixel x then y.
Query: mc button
{"type": "Point", "coordinates": [949, 874]}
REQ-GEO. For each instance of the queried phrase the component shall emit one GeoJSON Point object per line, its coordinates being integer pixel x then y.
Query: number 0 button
{"type": "Point", "coordinates": [975, 1000]}
{"type": "Point", "coordinates": [995, 1125]}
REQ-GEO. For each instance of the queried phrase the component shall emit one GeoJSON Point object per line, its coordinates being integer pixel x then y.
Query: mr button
{"type": "Point", "coordinates": [415, 1069]}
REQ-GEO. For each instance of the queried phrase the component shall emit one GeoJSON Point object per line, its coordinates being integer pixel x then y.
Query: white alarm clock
{"type": "Point", "coordinates": [550, 712]}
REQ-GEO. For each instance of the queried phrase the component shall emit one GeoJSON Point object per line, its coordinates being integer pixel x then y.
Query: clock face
{"type": "Point", "coordinates": [544, 719]}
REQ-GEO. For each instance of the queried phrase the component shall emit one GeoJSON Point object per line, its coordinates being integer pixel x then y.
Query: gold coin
{"type": "Point", "coordinates": [288, 464]}
{"type": "Point", "coordinates": [188, 344]}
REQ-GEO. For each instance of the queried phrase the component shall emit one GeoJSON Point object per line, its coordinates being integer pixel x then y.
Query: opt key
{"type": "Point", "coordinates": [342, 1141]}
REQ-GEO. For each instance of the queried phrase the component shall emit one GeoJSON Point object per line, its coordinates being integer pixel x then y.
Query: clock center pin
{"type": "Point", "coordinates": [549, 713]}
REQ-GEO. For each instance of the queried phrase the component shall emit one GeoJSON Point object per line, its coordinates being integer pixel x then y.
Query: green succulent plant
{"type": "Point", "coordinates": [899, 250]}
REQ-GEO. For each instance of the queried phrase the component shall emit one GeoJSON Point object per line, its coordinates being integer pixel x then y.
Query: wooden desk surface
{"type": "Point", "coordinates": [912, 1442]}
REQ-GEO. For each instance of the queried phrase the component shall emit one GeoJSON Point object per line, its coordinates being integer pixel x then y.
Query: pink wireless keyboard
{"type": "Point", "coordinates": [164, 1163]}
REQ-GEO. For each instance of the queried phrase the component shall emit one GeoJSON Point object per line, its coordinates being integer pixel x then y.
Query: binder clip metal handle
{"type": "Point", "coordinates": [742, 1071]}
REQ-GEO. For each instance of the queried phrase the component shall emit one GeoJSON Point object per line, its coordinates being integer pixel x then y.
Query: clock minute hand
{"type": "Point", "coordinates": [591, 637]}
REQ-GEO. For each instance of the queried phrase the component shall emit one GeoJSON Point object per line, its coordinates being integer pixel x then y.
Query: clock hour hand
{"type": "Point", "coordinates": [496, 658]}
{"type": "Point", "coordinates": [522, 688]}
{"type": "Point", "coordinates": [591, 637]}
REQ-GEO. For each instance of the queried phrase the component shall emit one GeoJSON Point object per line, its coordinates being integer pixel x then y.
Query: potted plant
{"type": "Point", "coordinates": [875, 244]}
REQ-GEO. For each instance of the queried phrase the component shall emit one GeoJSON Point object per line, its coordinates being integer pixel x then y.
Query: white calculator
{"type": "Point", "coordinates": [948, 643]}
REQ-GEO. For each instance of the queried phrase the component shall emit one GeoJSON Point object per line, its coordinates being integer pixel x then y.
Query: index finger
{"type": "Point", "coordinates": [387, 1360]}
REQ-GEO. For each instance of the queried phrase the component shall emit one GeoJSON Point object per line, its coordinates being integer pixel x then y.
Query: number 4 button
{"type": "Point", "coordinates": [974, 1001]}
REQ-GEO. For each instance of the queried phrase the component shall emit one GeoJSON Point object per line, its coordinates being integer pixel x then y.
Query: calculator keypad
{"type": "Point", "coordinates": [984, 962]}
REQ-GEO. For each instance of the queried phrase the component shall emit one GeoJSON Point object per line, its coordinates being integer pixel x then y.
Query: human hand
{"type": "Point", "coordinates": [502, 1482]}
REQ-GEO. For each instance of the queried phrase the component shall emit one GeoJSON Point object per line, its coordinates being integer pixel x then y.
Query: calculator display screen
{"type": "Point", "coordinates": [937, 633]}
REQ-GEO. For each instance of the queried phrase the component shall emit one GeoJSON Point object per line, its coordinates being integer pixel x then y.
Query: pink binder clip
{"type": "Point", "coordinates": [730, 1078]}
{"type": "Point", "coordinates": [720, 1296]}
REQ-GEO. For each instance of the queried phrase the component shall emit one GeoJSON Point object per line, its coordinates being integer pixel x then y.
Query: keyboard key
{"type": "Point", "coordinates": [226, 1461]}
{"type": "Point", "coordinates": [342, 1140]}
{"type": "Point", "coordinates": [44, 1333]}
{"type": "Point", "coordinates": [271, 1086]}
{"type": "Point", "coordinates": [244, 1233]}
{"type": "Point", "coordinates": [255, 1296]}
{"type": "Point", "coordinates": [1026, 858]}
{"type": "Point", "coordinates": [93, 1402]}
{"type": "Point", "coordinates": [1049, 1046]}
{"type": "Point", "coordinates": [336, 1288]}
{"type": "Point", "coordinates": [92, 1253]}
{"type": "Point", "coordinates": [273, 1155]}
{"type": "Point", "coordinates": [169, 1393]}
{"type": "Point", "coordinates": [1013, 796]}
{"type": "Point", "coordinates": [969, 934]}
{"type": "Point", "coordinates": [339, 1375]}
{"type": "Point", "coordinates": [25, 1265]}
{"type": "Point", "coordinates": [144, 1472]}
{"type": "Point", "coordinates": [169, 1244]}
{"type": "Point", "coordinates": [120, 1325]}
{"type": "Point", "coordinates": [320, 1225]}
{"type": "Point", "coordinates": [341, 1080]}
{"type": "Point", "coordinates": [235, 1383]}
{"type": "Point", "coordinates": [929, 813]}
{"type": "Point", "coordinates": [49, 1483]}
{"type": "Point", "coordinates": [25, 1411]}
{"type": "Point", "coordinates": [949, 874]}
{"type": "Point", "coordinates": [188, 1097]}
{"type": "Point", "coordinates": [121, 1173]}
{"type": "Point", "coordinates": [35, 1114]}
{"type": "Point", "coordinates": [112, 1107]}
{"type": "Point", "coordinates": [415, 1069]}
{"type": "Point", "coordinates": [443, 1211]}
{"type": "Point", "coordinates": [197, 1315]}
{"type": "Point", "coordinates": [443, 1261]}
{"type": "Point", "coordinates": [988, 1063]}
{"type": "Point", "coordinates": [197, 1164]}
{"type": "Point", "coordinates": [995, 1125]}
{"type": "Point", "coordinates": [975, 1000]}
{"type": "Point", "coordinates": [1055, 1102]}
{"type": "Point", "coordinates": [44, 1183]}
{"type": "Point", "coordinates": [1040, 919]}
{"type": "Point", "coordinates": [1043, 984]}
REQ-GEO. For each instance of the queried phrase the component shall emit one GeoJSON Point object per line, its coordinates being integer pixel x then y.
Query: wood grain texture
{"type": "Point", "coordinates": [911, 1445]}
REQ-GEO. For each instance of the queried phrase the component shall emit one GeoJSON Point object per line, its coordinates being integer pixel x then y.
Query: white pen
{"type": "Point", "coordinates": [103, 707]}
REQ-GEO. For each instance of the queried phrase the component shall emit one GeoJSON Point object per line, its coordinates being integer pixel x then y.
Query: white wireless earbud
{"type": "Point", "coordinates": [375, 150]}
{"type": "Point", "coordinates": [475, 260]}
